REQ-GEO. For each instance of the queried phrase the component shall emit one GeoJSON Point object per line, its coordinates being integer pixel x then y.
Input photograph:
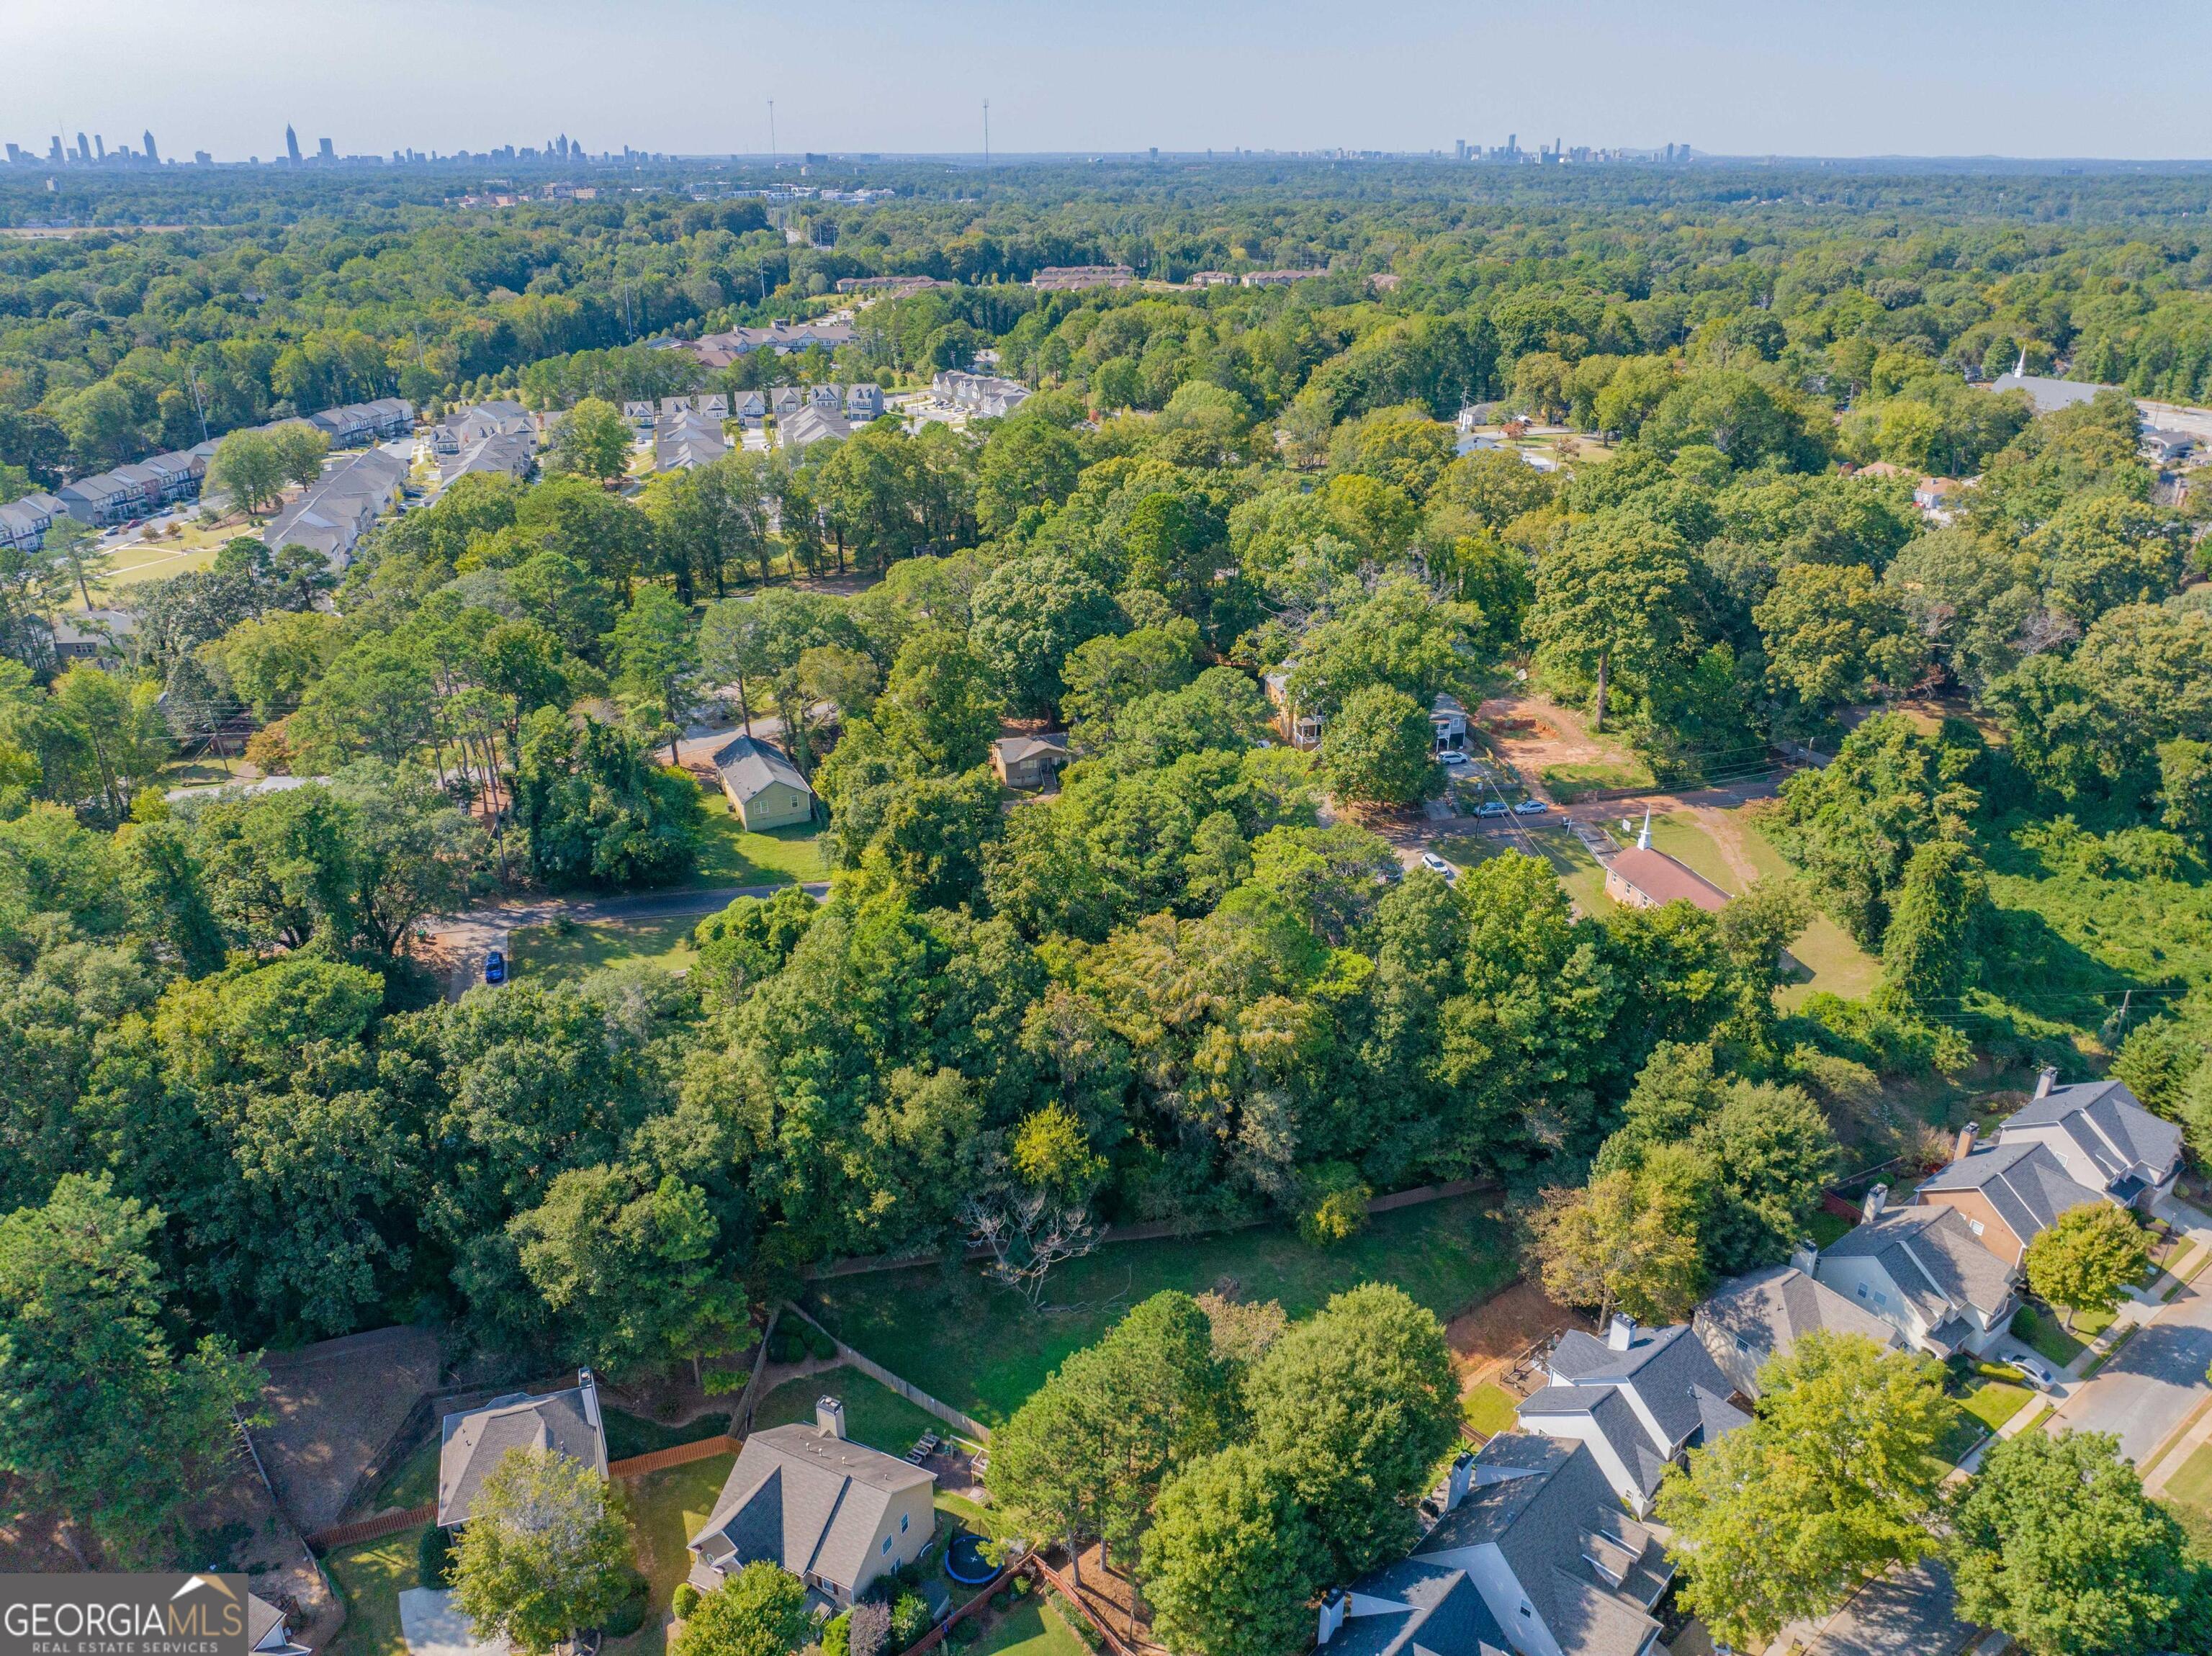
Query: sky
{"type": "Point", "coordinates": [1850, 77]}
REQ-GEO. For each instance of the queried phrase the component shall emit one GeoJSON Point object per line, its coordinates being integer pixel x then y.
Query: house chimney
{"type": "Point", "coordinates": [588, 1384]}
{"type": "Point", "coordinates": [1877, 1198]}
{"type": "Point", "coordinates": [1806, 1256]}
{"type": "Point", "coordinates": [2046, 1081]}
{"type": "Point", "coordinates": [1462, 1475]}
{"type": "Point", "coordinates": [830, 1416]}
{"type": "Point", "coordinates": [1965, 1144]}
{"type": "Point", "coordinates": [1332, 1615]}
{"type": "Point", "coordinates": [1620, 1332]}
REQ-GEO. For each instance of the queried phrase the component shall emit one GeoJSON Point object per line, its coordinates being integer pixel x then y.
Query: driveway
{"type": "Point", "coordinates": [2147, 1391]}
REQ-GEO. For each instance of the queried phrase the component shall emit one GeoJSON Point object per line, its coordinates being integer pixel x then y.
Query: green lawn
{"type": "Point", "coordinates": [1995, 1402]}
{"type": "Point", "coordinates": [874, 1415]}
{"type": "Point", "coordinates": [2045, 1336]}
{"type": "Point", "coordinates": [977, 1348]}
{"type": "Point", "coordinates": [730, 856]}
{"type": "Point", "coordinates": [967, 1514]}
{"type": "Point", "coordinates": [1827, 1229]}
{"type": "Point", "coordinates": [1030, 1628]}
{"type": "Point", "coordinates": [1825, 949]}
{"type": "Point", "coordinates": [369, 1578]}
{"type": "Point", "coordinates": [632, 1435]}
{"type": "Point", "coordinates": [2189, 1497]}
{"type": "Point", "coordinates": [409, 1484]}
{"type": "Point", "coordinates": [1568, 783]}
{"type": "Point", "coordinates": [667, 1507]}
{"type": "Point", "coordinates": [1489, 1409]}
{"type": "Point", "coordinates": [1576, 868]}
{"type": "Point", "coordinates": [557, 953]}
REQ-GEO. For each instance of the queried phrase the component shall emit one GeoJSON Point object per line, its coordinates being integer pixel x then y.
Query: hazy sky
{"type": "Point", "coordinates": [2020, 77]}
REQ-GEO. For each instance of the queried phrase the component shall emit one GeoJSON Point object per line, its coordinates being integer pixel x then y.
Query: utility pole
{"type": "Point", "coordinates": [771, 130]}
{"type": "Point", "coordinates": [987, 132]}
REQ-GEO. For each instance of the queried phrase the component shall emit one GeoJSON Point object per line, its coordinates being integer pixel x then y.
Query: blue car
{"type": "Point", "coordinates": [496, 968]}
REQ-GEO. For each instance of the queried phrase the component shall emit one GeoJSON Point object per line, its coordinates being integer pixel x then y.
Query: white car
{"type": "Point", "coordinates": [1530, 808]}
{"type": "Point", "coordinates": [1452, 756]}
{"type": "Point", "coordinates": [1436, 865]}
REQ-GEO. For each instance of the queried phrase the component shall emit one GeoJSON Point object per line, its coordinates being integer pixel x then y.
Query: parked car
{"type": "Point", "coordinates": [1493, 808]}
{"type": "Point", "coordinates": [495, 967]}
{"type": "Point", "coordinates": [2038, 1372]}
{"type": "Point", "coordinates": [1452, 756]}
{"type": "Point", "coordinates": [1436, 865]}
{"type": "Point", "coordinates": [1530, 808]}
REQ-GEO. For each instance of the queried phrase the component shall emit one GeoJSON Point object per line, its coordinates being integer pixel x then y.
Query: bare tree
{"type": "Point", "coordinates": [1029, 1233]}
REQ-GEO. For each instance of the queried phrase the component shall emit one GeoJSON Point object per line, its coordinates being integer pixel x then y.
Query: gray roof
{"type": "Point", "coordinates": [1613, 1414]}
{"type": "Point", "coordinates": [510, 451]}
{"type": "Point", "coordinates": [749, 765]}
{"type": "Point", "coordinates": [2110, 1124]}
{"type": "Point", "coordinates": [474, 1442]}
{"type": "Point", "coordinates": [811, 425]}
{"type": "Point", "coordinates": [1934, 1260]}
{"type": "Point", "coordinates": [808, 1502]}
{"type": "Point", "coordinates": [1547, 1507]}
{"type": "Point", "coordinates": [1667, 1366]}
{"type": "Point", "coordinates": [1012, 750]}
{"type": "Point", "coordinates": [1752, 1317]}
{"type": "Point", "coordinates": [2023, 1181]}
{"type": "Point", "coordinates": [1412, 1605]}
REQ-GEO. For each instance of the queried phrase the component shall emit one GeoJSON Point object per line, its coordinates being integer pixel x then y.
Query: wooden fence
{"type": "Point", "coordinates": [679, 1454]}
{"type": "Point", "coordinates": [883, 1376]}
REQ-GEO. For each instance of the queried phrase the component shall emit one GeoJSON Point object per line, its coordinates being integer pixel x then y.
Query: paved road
{"type": "Point", "coordinates": [2148, 1389]}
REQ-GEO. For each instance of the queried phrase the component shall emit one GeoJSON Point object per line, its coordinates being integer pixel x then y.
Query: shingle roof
{"type": "Point", "coordinates": [2109, 1123]}
{"type": "Point", "coordinates": [2023, 1181]}
{"type": "Point", "coordinates": [1663, 880]}
{"type": "Point", "coordinates": [1666, 1366]}
{"type": "Point", "coordinates": [749, 765]}
{"type": "Point", "coordinates": [808, 1502]}
{"type": "Point", "coordinates": [1769, 1311]}
{"type": "Point", "coordinates": [474, 1442]}
{"type": "Point", "coordinates": [1012, 750]}
{"type": "Point", "coordinates": [1412, 1606]}
{"type": "Point", "coordinates": [1933, 1258]}
{"type": "Point", "coordinates": [2047, 393]}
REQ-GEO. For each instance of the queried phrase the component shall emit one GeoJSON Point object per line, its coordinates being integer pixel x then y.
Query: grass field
{"type": "Point", "coordinates": [977, 1348]}
{"type": "Point", "coordinates": [631, 1435]}
{"type": "Point", "coordinates": [1825, 949]}
{"type": "Point", "coordinates": [1827, 1229]}
{"type": "Point", "coordinates": [730, 856]}
{"type": "Point", "coordinates": [1577, 870]}
{"type": "Point", "coordinates": [1568, 783]}
{"type": "Point", "coordinates": [874, 1415]}
{"type": "Point", "coordinates": [369, 1578]}
{"type": "Point", "coordinates": [1030, 1628]}
{"type": "Point", "coordinates": [2045, 1337]}
{"type": "Point", "coordinates": [2188, 1497]}
{"type": "Point", "coordinates": [1489, 1409]}
{"type": "Point", "coordinates": [557, 954]}
{"type": "Point", "coordinates": [667, 1507]}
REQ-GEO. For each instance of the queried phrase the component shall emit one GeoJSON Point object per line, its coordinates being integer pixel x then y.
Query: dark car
{"type": "Point", "coordinates": [496, 968]}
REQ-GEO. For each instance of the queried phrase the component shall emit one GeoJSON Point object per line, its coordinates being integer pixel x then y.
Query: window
{"type": "Point", "coordinates": [904, 1519]}
{"type": "Point", "coordinates": [1862, 1290]}
{"type": "Point", "coordinates": [887, 1544]}
{"type": "Point", "coordinates": [1741, 1343]}
{"type": "Point", "coordinates": [1974, 1225]}
{"type": "Point", "coordinates": [1880, 1300]}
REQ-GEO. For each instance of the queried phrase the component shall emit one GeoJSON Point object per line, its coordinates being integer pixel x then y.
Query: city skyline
{"type": "Point", "coordinates": [695, 77]}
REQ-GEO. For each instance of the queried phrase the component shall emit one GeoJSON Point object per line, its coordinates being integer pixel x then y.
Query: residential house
{"type": "Point", "coordinates": [685, 441]}
{"type": "Point", "coordinates": [391, 417]}
{"type": "Point", "coordinates": [672, 406]}
{"type": "Point", "coordinates": [1752, 1319]}
{"type": "Point", "coordinates": [152, 484]}
{"type": "Point", "coordinates": [834, 1512]}
{"type": "Point", "coordinates": [1276, 278]}
{"type": "Point", "coordinates": [181, 473]}
{"type": "Point", "coordinates": [749, 408]}
{"type": "Point", "coordinates": [513, 454]}
{"type": "Point", "coordinates": [1028, 762]}
{"type": "Point", "coordinates": [1923, 1271]}
{"type": "Point", "coordinates": [346, 428]}
{"type": "Point", "coordinates": [831, 399]}
{"type": "Point", "coordinates": [1640, 1399]}
{"type": "Point", "coordinates": [863, 402]}
{"type": "Point", "coordinates": [889, 287]}
{"type": "Point", "coordinates": [811, 425]}
{"type": "Point", "coordinates": [95, 635]}
{"type": "Point", "coordinates": [21, 528]}
{"type": "Point", "coordinates": [1069, 278]}
{"type": "Point", "coordinates": [474, 1442]}
{"type": "Point", "coordinates": [984, 394]}
{"type": "Point", "coordinates": [457, 430]}
{"type": "Point", "coordinates": [2103, 1136]}
{"type": "Point", "coordinates": [1448, 718]}
{"type": "Point", "coordinates": [786, 400]}
{"type": "Point", "coordinates": [1299, 729]}
{"type": "Point", "coordinates": [2048, 395]}
{"type": "Point", "coordinates": [639, 415]}
{"type": "Point", "coordinates": [2007, 1194]}
{"type": "Point", "coordinates": [266, 1633]}
{"type": "Point", "coordinates": [103, 500]}
{"type": "Point", "coordinates": [719, 350]}
{"type": "Point", "coordinates": [1531, 1524]}
{"type": "Point", "coordinates": [1937, 495]}
{"type": "Point", "coordinates": [2166, 448]}
{"type": "Point", "coordinates": [331, 517]}
{"type": "Point", "coordinates": [1640, 877]}
{"type": "Point", "coordinates": [764, 786]}
{"type": "Point", "coordinates": [1211, 279]}
{"type": "Point", "coordinates": [713, 404]}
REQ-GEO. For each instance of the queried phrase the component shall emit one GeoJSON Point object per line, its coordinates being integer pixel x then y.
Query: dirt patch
{"type": "Point", "coordinates": [1533, 733]}
{"type": "Point", "coordinates": [336, 1407]}
{"type": "Point", "coordinates": [1722, 829]}
{"type": "Point", "coordinates": [1107, 1595]}
{"type": "Point", "coordinates": [1491, 1334]}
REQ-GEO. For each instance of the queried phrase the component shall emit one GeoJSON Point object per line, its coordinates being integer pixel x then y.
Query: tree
{"type": "Point", "coordinates": [2056, 1543]}
{"type": "Point", "coordinates": [106, 738]}
{"type": "Point", "coordinates": [1104, 675]}
{"type": "Point", "coordinates": [95, 1395]}
{"type": "Point", "coordinates": [656, 649]}
{"type": "Point", "coordinates": [1027, 614]}
{"type": "Point", "coordinates": [1380, 749]}
{"type": "Point", "coordinates": [74, 544]}
{"type": "Point", "coordinates": [1231, 1559]}
{"type": "Point", "coordinates": [759, 1611]}
{"type": "Point", "coordinates": [595, 809]}
{"type": "Point", "coordinates": [249, 467]}
{"type": "Point", "coordinates": [1834, 633]}
{"type": "Point", "coordinates": [941, 701]}
{"type": "Point", "coordinates": [1624, 1242]}
{"type": "Point", "coordinates": [1834, 1480]}
{"type": "Point", "coordinates": [1612, 605]}
{"type": "Point", "coordinates": [2087, 1257]}
{"type": "Point", "coordinates": [592, 440]}
{"type": "Point", "coordinates": [545, 1553]}
{"type": "Point", "coordinates": [272, 663]}
{"type": "Point", "coordinates": [1356, 1404]}
{"type": "Point", "coordinates": [1936, 925]}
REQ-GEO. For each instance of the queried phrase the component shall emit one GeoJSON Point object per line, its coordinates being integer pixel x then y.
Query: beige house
{"type": "Point", "coordinates": [834, 1512]}
{"type": "Point", "coordinates": [1028, 762]}
{"type": "Point", "coordinates": [765, 788]}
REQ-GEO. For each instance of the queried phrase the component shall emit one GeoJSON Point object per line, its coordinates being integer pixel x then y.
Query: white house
{"type": "Point", "coordinates": [2103, 1136]}
{"type": "Point", "coordinates": [1921, 1270]}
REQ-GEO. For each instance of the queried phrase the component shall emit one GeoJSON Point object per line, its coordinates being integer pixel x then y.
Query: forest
{"type": "Point", "coordinates": [1193, 984]}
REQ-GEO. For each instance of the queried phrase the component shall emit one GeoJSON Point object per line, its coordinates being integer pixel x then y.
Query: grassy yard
{"type": "Point", "coordinates": [409, 1484]}
{"type": "Point", "coordinates": [1825, 949]}
{"type": "Point", "coordinates": [730, 856]}
{"type": "Point", "coordinates": [1489, 1409]}
{"type": "Point", "coordinates": [1030, 1628]}
{"type": "Point", "coordinates": [967, 1514]}
{"type": "Point", "coordinates": [1827, 1229]}
{"type": "Point", "coordinates": [2189, 1497]}
{"type": "Point", "coordinates": [632, 1435]}
{"type": "Point", "coordinates": [1568, 783]}
{"type": "Point", "coordinates": [556, 953]}
{"type": "Point", "coordinates": [1995, 1402]}
{"type": "Point", "coordinates": [667, 1507]}
{"type": "Point", "coordinates": [977, 1348]}
{"type": "Point", "coordinates": [874, 1415]}
{"type": "Point", "coordinates": [2045, 1336]}
{"type": "Point", "coordinates": [1576, 868]}
{"type": "Point", "coordinates": [369, 1578]}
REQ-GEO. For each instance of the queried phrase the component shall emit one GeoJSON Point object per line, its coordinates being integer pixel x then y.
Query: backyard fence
{"type": "Point", "coordinates": [677, 1454]}
{"type": "Point", "coordinates": [374, 1527]}
{"type": "Point", "coordinates": [883, 1376]}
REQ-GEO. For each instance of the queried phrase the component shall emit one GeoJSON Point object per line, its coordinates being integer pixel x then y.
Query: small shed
{"type": "Point", "coordinates": [1028, 762]}
{"type": "Point", "coordinates": [764, 787]}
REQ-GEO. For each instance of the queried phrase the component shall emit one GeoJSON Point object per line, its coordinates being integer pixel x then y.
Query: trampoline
{"type": "Point", "coordinates": [964, 1561]}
